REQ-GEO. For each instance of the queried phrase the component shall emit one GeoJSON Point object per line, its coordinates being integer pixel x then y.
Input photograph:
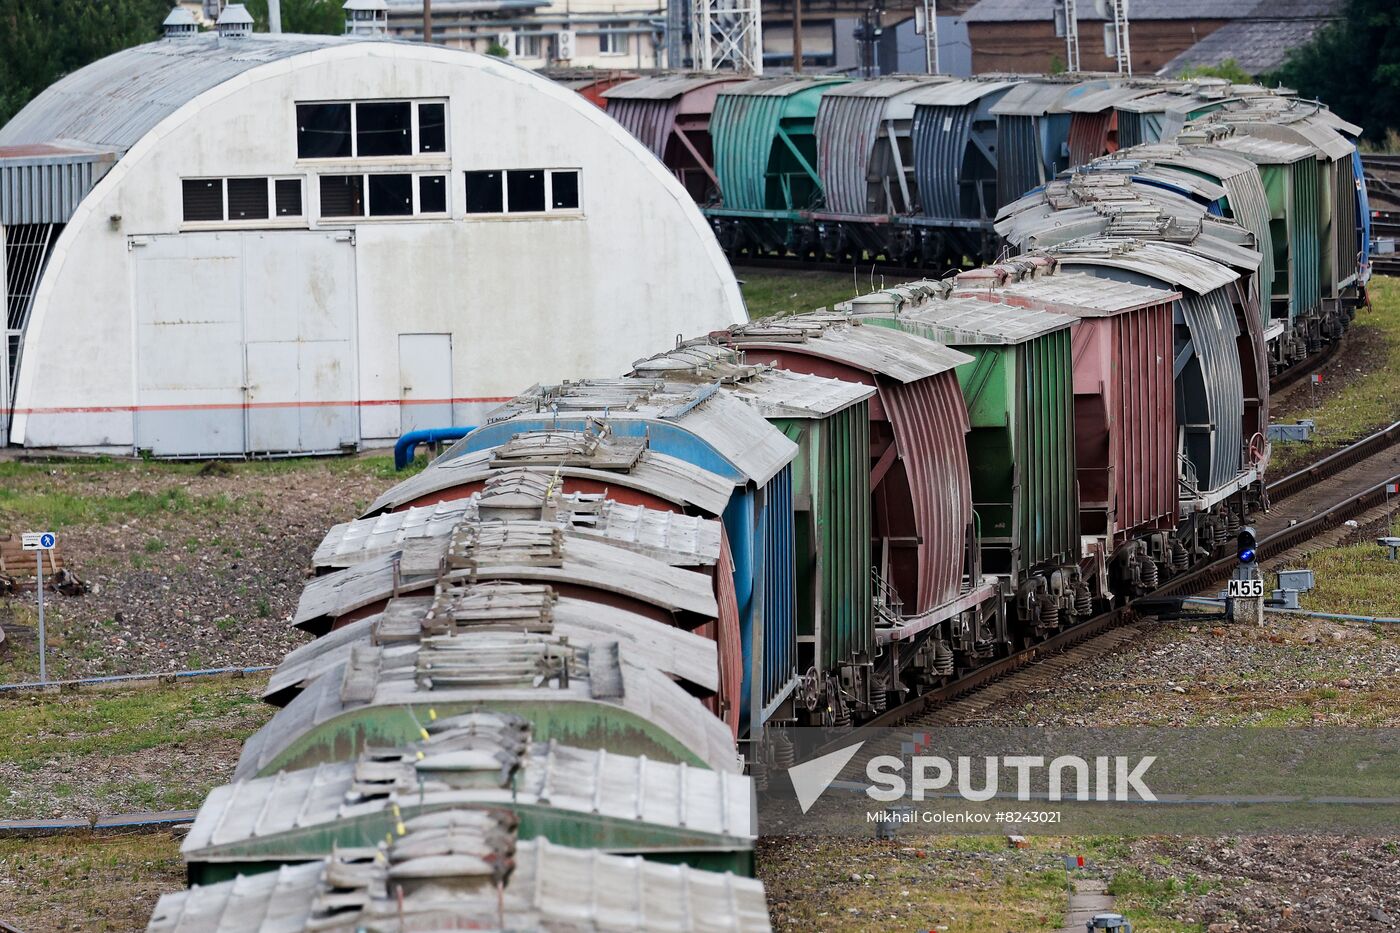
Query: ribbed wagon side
{"type": "Point", "coordinates": [955, 148]}
{"type": "Point", "coordinates": [1124, 403]}
{"type": "Point", "coordinates": [765, 143]}
{"type": "Point", "coordinates": [671, 116]}
{"type": "Point", "coordinates": [1019, 394]}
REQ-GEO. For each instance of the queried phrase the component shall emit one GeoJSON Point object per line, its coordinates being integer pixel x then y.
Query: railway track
{"type": "Point", "coordinates": [1342, 486]}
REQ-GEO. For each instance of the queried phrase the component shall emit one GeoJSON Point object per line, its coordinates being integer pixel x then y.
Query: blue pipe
{"type": "Point", "coordinates": [406, 446]}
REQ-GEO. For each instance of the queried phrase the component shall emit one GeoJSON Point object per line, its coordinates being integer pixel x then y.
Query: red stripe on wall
{"type": "Point", "coordinates": [242, 406]}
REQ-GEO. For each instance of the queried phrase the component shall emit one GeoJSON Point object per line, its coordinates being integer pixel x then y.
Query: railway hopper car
{"type": "Point", "coordinates": [450, 869]}
{"type": "Point", "coordinates": [1221, 467]}
{"type": "Point", "coordinates": [935, 611]}
{"type": "Point", "coordinates": [1096, 205]}
{"type": "Point", "coordinates": [1019, 392]}
{"type": "Point", "coordinates": [583, 798]}
{"type": "Point", "coordinates": [708, 426]}
{"type": "Point", "coordinates": [765, 146]}
{"type": "Point", "coordinates": [671, 115]}
{"type": "Point", "coordinates": [452, 604]}
{"type": "Point", "coordinates": [829, 421]}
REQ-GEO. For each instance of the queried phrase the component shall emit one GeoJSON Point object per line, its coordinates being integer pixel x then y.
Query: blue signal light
{"type": "Point", "coordinates": [1247, 555]}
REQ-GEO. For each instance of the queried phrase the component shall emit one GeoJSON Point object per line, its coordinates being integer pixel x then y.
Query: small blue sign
{"type": "Point", "coordinates": [46, 540]}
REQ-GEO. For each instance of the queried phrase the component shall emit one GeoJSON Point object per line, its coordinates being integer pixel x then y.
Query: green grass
{"type": "Point", "coordinates": [780, 291]}
{"type": "Point", "coordinates": [98, 883]}
{"type": "Point", "coordinates": [1371, 400]}
{"type": "Point", "coordinates": [1355, 579]}
{"type": "Point", "coordinates": [43, 727]}
{"type": "Point", "coordinates": [1148, 903]}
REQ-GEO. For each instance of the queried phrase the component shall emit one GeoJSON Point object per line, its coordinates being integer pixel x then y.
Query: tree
{"type": "Point", "coordinates": [41, 42]}
{"type": "Point", "coordinates": [1229, 69]}
{"type": "Point", "coordinates": [323, 17]}
{"type": "Point", "coordinates": [1353, 66]}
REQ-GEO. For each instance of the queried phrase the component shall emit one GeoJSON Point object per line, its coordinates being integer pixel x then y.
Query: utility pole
{"type": "Point", "coordinates": [1122, 48]}
{"type": "Point", "coordinates": [1067, 25]}
{"type": "Point", "coordinates": [428, 21]}
{"type": "Point", "coordinates": [931, 36]}
{"type": "Point", "coordinates": [797, 37]}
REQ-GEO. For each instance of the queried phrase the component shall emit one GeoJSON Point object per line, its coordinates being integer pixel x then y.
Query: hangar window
{"type": "Point", "coordinates": [289, 197]}
{"type": "Point", "coordinates": [342, 195]}
{"type": "Point", "coordinates": [523, 191]}
{"type": "Point", "coordinates": [390, 195]}
{"type": "Point", "coordinates": [323, 131]}
{"type": "Point", "coordinates": [432, 127]}
{"type": "Point", "coordinates": [432, 194]}
{"type": "Point", "coordinates": [371, 129]}
{"type": "Point", "coordinates": [563, 190]}
{"type": "Point", "coordinates": [383, 128]}
{"type": "Point", "coordinates": [247, 199]}
{"type": "Point", "coordinates": [484, 193]}
{"type": "Point", "coordinates": [204, 199]}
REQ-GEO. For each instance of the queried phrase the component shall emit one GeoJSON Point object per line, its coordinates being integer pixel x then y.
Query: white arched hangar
{"type": "Point", "coordinates": [265, 244]}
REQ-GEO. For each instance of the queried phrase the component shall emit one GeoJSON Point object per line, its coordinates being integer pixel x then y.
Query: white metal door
{"type": "Point", "coordinates": [299, 319]}
{"type": "Point", "coordinates": [245, 343]}
{"type": "Point", "coordinates": [189, 344]}
{"type": "Point", "coordinates": [425, 379]}
{"type": "Point", "coordinates": [274, 418]}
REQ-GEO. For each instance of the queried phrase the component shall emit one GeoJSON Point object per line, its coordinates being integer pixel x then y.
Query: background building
{"type": "Point", "coordinates": [1019, 35]}
{"type": "Point", "coordinates": [538, 33]}
{"type": "Point", "coordinates": [234, 243]}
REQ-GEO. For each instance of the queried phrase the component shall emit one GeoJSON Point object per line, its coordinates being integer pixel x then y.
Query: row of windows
{"type": "Point", "coordinates": [537, 45]}
{"type": "Point", "coordinates": [371, 129]}
{"type": "Point", "coordinates": [381, 194]}
{"type": "Point", "coordinates": [209, 199]}
{"type": "Point", "coordinates": [522, 191]}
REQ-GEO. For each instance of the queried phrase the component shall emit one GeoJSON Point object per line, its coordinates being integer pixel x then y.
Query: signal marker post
{"type": "Point", "coordinates": [39, 542]}
{"type": "Point", "coordinates": [1245, 596]}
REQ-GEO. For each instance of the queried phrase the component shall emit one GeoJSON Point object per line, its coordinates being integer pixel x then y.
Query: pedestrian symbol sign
{"type": "Point", "coordinates": [37, 540]}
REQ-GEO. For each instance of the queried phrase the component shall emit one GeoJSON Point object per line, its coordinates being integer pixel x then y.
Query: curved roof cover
{"type": "Point", "coordinates": [576, 694]}
{"type": "Point", "coordinates": [111, 103]}
{"type": "Point", "coordinates": [587, 455]}
{"type": "Point", "coordinates": [664, 87]}
{"type": "Point", "coordinates": [845, 339]}
{"type": "Point", "coordinates": [459, 869]}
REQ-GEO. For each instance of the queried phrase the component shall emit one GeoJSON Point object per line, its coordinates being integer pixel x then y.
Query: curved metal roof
{"type": "Point", "coordinates": [613, 460]}
{"type": "Point", "coordinates": [113, 102]}
{"type": "Point", "coordinates": [664, 87]}
{"type": "Point", "coordinates": [845, 339]}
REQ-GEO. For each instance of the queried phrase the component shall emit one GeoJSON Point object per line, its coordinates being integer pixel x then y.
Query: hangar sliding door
{"type": "Point", "coordinates": [299, 320]}
{"type": "Point", "coordinates": [189, 344]}
{"type": "Point", "coordinates": [245, 343]}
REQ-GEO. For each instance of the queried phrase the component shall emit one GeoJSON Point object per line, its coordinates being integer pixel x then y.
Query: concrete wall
{"type": "Point", "coordinates": [526, 298]}
{"type": "Point", "coordinates": [1031, 47]}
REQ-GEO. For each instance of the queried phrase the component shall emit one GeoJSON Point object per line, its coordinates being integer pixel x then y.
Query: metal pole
{"type": "Point", "coordinates": [274, 15]}
{"type": "Point", "coordinates": [797, 37]}
{"type": "Point", "coordinates": [43, 663]}
{"type": "Point", "coordinates": [428, 21]}
{"type": "Point", "coordinates": [931, 36]}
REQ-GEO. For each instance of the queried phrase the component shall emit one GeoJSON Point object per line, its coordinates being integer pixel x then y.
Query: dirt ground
{"type": "Point", "coordinates": [187, 567]}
